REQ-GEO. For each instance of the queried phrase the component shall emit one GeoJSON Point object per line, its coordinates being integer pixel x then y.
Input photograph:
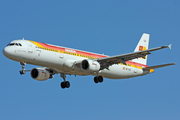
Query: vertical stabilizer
{"type": "Point", "coordinates": [142, 45]}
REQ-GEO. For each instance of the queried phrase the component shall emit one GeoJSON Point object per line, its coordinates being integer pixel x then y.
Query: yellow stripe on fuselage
{"type": "Point", "coordinates": [79, 55]}
{"type": "Point", "coordinates": [37, 44]}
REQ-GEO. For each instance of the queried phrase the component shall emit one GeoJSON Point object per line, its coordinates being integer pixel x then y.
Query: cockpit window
{"type": "Point", "coordinates": [14, 44]}
{"type": "Point", "coordinates": [11, 44]}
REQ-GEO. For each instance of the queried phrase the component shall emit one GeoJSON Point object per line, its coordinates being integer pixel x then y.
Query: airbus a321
{"type": "Point", "coordinates": [67, 61]}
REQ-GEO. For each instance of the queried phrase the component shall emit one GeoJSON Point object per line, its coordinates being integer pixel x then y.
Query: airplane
{"type": "Point", "coordinates": [67, 61]}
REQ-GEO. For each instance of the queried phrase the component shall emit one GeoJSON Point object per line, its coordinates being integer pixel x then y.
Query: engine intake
{"type": "Point", "coordinates": [40, 74]}
{"type": "Point", "coordinates": [90, 65]}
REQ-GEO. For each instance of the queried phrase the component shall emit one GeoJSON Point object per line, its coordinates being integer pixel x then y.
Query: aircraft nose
{"type": "Point", "coordinates": [7, 51]}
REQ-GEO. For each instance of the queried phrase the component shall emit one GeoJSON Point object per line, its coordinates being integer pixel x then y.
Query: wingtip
{"type": "Point", "coordinates": [173, 63]}
{"type": "Point", "coordinates": [170, 46]}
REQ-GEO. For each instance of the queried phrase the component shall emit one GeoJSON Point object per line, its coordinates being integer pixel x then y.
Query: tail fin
{"type": "Point", "coordinates": [142, 45]}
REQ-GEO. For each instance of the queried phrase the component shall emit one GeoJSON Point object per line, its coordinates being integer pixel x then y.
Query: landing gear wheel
{"type": "Point", "coordinates": [100, 79]}
{"type": "Point", "coordinates": [63, 85]}
{"type": "Point", "coordinates": [67, 84]}
{"type": "Point", "coordinates": [96, 79]}
{"type": "Point", "coordinates": [22, 72]}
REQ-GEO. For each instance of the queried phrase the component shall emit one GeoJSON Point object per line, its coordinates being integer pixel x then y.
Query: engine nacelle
{"type": "Point", "coordinates": [90, 65]}
{"type": "Point", "coordinates": [40, 74]}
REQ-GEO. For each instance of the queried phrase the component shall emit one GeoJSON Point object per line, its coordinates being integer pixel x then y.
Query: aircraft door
{"type": "Point", "coordinates": [30, 47]}
{"type": "Point", "coordinates": [61, 59]}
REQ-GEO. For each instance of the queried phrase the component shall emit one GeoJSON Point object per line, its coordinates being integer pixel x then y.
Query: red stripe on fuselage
{"type": "Point", "coordinates": [83, 53]}
{"type": "Point", "coordinates": [71, 50]}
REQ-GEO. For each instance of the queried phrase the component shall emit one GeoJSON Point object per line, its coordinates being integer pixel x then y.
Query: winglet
{"type": "Point", "coordinates": [170, 46]}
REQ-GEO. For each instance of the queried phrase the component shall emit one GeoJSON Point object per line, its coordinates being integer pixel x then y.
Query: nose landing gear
{"type": "Point", "coordinates": [23, 68]}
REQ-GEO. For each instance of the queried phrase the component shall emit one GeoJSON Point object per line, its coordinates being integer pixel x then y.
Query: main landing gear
{"type": "Point", "coordinates": [65, 84]}
{"type": "Point", "coordinates": [98, 79]}
{"type": "Point", "coordinates": [23, 68]}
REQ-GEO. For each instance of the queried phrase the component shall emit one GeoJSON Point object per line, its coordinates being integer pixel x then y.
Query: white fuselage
{"type": "Point", "coordinates": [63, 62]}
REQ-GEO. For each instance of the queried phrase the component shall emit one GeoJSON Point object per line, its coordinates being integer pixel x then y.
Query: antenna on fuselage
{"type": "Point", "coordinates": [23, 39]}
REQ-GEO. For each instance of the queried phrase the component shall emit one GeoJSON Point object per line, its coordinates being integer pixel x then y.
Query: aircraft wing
{"type": "Point", "coordinates": [108, 61]}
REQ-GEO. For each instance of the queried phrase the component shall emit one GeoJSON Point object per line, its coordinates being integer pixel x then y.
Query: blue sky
{"type": "Point", "coordinates": [101, 26]}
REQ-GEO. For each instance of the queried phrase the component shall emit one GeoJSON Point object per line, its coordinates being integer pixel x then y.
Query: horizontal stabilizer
{"type": "Point", "coordinates": [158, 66]}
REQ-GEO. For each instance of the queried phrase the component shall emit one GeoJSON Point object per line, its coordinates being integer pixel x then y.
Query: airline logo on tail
{"type": "Point", "coordinates": [141, 48]}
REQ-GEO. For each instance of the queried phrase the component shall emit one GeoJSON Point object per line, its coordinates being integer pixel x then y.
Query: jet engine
{"type": "Point", "coordinates": [40, 74]}
{"type": "Point", "coordinates": [90, 65]}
